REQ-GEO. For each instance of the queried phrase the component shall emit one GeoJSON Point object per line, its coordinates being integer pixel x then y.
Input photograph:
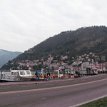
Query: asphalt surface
{"type": "Point", "coordinates": [14, 86]}
{"type": "Point", "coordinates": [64, 93]}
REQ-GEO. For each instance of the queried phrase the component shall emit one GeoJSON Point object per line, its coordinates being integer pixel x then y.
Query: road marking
{"type": "Point", "coordinates": [85, 102]}
{"type": "Point", "coordinates": [57, 87]}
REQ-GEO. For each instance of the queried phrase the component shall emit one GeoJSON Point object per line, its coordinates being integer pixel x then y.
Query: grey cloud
{"type": "Point", "coordinates": [25, 23]}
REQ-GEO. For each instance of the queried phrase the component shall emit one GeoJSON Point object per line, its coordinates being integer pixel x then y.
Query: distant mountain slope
{"type": "Point", "coordinates": [83, 40]}
{"type": "Point", "coordinates": [5, 56]}
{"type": "Point", "coordinates": [70, 43]}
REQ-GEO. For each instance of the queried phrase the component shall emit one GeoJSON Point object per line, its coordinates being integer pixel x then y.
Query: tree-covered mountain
{"type": "Point", "coordinates": [5, 56]}
{"type": "Point", "coordinates": [80, 41]}
{"type": "Point", "coordinates": [70, 43]}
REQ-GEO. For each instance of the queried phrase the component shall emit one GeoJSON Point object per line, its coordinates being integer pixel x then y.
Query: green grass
{"type": "Point", "coordinates": [99, 103]}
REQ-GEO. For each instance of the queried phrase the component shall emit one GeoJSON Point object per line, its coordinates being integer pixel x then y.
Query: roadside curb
{"type": "Point", "coordinates": [94, 99]}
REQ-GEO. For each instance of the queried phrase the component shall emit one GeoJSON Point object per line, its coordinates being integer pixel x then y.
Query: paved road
{"type": "Point", "coordinates": [59, 96]}
{"type": "Point", "coordinates": [14, 86]}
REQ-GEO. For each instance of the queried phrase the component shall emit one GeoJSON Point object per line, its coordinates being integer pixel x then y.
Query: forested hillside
{"type": "Point", "coordinates": [70, 43]}
{"type": "Point", "coordinates": [80, 41]}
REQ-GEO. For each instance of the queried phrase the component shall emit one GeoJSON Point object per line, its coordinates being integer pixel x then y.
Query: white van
{"type": "Point", "coordinates": [16, 75]}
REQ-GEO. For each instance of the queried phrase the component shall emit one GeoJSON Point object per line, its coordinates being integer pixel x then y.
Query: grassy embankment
{"type": "Point", "coordinates": [99, 103]}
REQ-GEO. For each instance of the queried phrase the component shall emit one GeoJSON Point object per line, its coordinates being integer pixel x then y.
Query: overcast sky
{"type": "Point", "coordinates": [25, 23]}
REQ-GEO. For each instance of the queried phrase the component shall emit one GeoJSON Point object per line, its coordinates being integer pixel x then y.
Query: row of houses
{"type": "Point", "coordinates": [59, 66]}
{"type": "Point", "coordinates": [85, 68]}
